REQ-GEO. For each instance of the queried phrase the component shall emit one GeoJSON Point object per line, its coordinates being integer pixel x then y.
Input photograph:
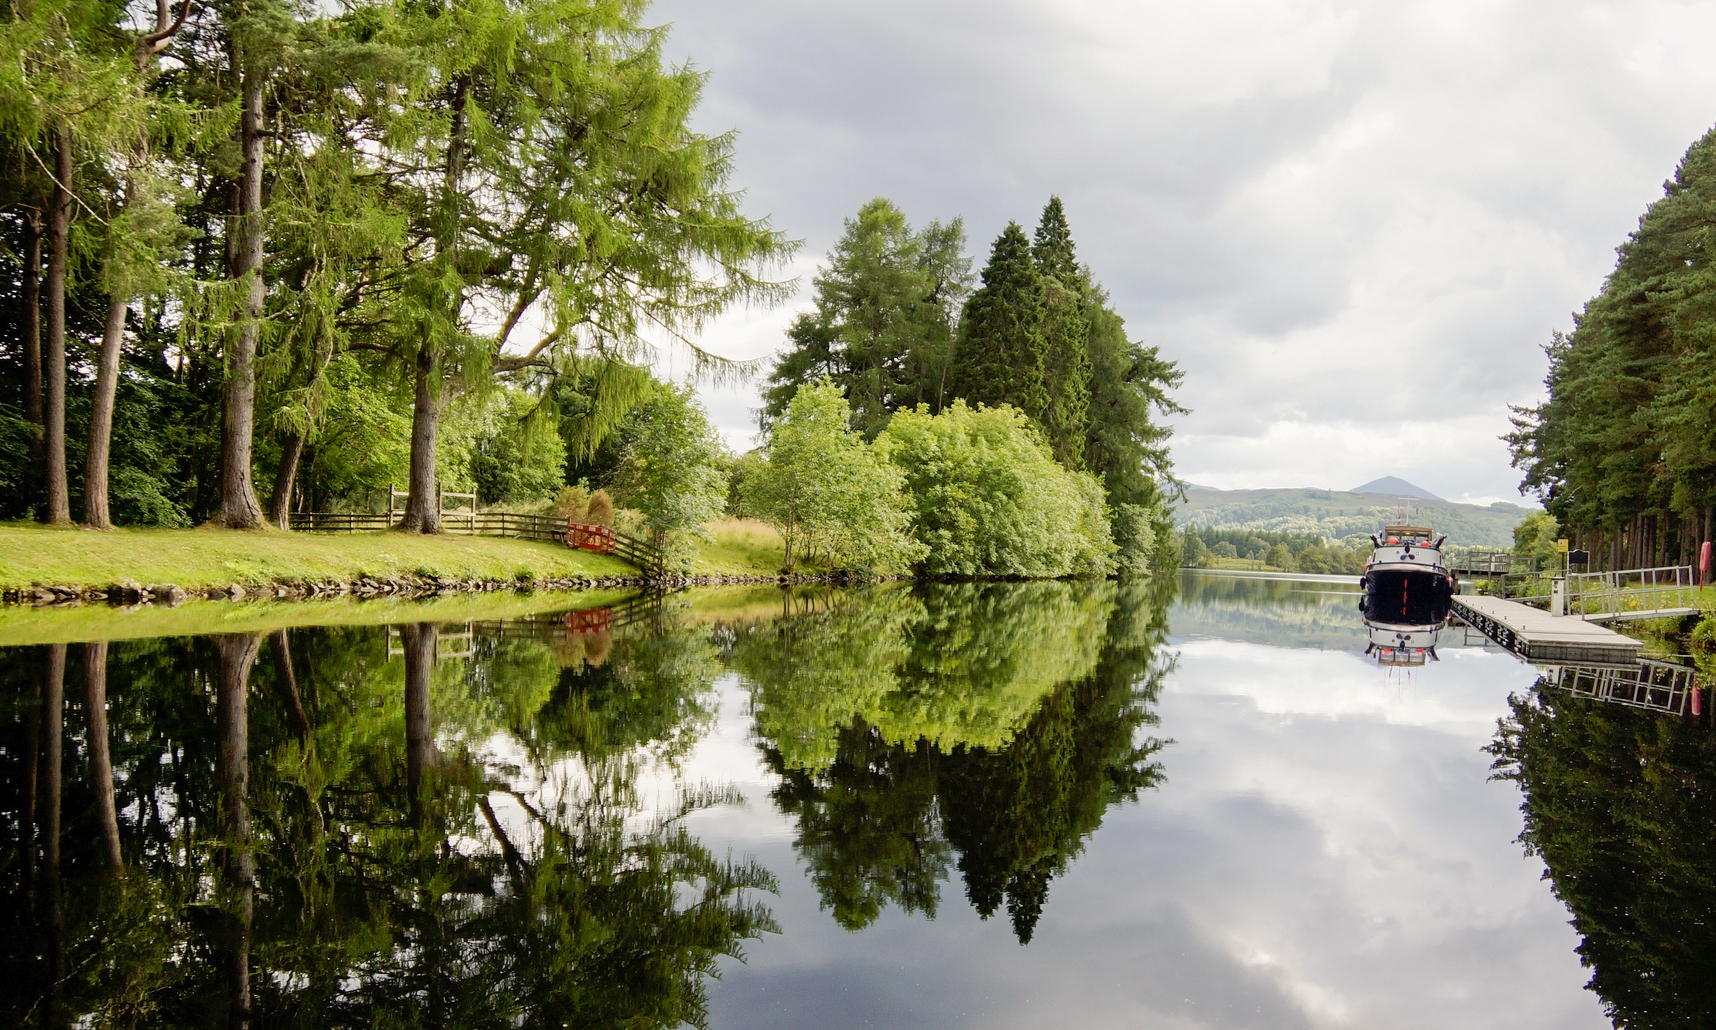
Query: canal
{"type": "Point", "coordinates": [1087, 804]}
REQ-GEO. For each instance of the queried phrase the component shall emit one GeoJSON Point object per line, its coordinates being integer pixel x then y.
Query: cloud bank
{"type": "Point", "coordinates": [1353, 224]}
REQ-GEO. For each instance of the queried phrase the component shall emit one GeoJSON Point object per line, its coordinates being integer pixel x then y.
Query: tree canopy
{"type": "Point", "coordinates": [273, 217]}
{"type": "Point", "coordinates": [1622, 451]}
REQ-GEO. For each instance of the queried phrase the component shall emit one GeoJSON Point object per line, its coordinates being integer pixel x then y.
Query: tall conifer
{"type": "Point", "coordinates": [1000, 358]}
{"type": "Point", "coordinates": [1066, 366]}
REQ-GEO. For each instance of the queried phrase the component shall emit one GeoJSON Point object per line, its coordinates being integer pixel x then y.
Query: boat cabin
{"type": "Point", "coordinates": [1418, 536]}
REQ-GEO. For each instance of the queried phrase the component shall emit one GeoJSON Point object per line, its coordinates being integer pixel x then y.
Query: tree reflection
{"type": "Point", "coordinates": [917, 704]}
{"type": "Point", "coordinates": [1617, 803]}
{"type": "Point", "coordinates": [322, 838]}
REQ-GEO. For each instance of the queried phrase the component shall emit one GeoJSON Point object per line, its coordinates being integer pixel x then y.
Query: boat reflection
{"type": "Point", "coordinates": [1407, 595]}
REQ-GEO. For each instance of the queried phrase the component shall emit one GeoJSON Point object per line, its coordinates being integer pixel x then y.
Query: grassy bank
{"type": "Point", "coordinates": [198, 559]}
{"type": "Point", "coordinates": [739, 547]}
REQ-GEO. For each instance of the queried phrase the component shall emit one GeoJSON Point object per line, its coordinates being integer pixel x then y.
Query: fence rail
{"type": "Point", "coordinates": [1490, 563]}
{"type": "Point", "coordinates": [490, 523]}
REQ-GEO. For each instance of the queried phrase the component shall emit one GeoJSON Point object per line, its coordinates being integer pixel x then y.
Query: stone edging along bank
{"type": "Point", "coordinates": [131, 592]}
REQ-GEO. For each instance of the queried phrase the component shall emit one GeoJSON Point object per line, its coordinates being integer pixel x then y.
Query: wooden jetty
{"type": "Point", "coordinates": [1538, 636]}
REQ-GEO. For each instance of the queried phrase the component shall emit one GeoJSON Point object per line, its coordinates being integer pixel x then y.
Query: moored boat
{"type": "Point", "coordinates": [1408, 592]}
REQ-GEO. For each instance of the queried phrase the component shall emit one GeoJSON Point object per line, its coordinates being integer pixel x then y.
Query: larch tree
{"type": "Point", "coordinates": [258, 37]}
{"type": "Point", "coordinates": [562, 191]}
{"type": "Point", "coordinates": [139, 233]}
{"type": "Point", "coordinates": [883, 328]}
{"type": "Point", "coordinates": [1130, 384]}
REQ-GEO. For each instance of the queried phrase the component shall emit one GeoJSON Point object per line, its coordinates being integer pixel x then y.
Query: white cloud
{"type": "Point", "coordinates": [1351, 223]}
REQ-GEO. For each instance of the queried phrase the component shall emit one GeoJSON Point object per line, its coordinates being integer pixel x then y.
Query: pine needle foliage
{"type": "Point", "coordinates": [1623, 451]}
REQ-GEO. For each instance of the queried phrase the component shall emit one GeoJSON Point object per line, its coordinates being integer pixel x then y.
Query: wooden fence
{"type": "Point", "coordinates": [496, 523]}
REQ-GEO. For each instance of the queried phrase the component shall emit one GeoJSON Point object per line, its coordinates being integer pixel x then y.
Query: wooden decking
{"type": "Point", "coordinates": [1538, 636]}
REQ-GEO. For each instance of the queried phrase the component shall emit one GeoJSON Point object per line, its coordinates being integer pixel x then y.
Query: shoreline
{"type": "Point", "coordinates": [1297, 577]}
{"type": "Point", "coordinates": [126, 593]}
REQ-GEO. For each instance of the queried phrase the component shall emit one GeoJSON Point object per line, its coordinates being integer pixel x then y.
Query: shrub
{"type": "Point", "coordinates": [572, 504]}
{"type": "Point", "coordinates": [1280, 557]}
{"type": "Point", "coordinates": [670, 469]}
{"type": "Point", "coordinates": [1704, 635]}
{"type": "Point", "coordinates": [989, 499]}
{"type": "Point", "coordinates": [828, 492]}
{"type": "Point", "coordinates": [600, 508]}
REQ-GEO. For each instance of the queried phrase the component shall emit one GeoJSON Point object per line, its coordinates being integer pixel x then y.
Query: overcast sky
{"type": "Point", "coordinates": [1354, 225]}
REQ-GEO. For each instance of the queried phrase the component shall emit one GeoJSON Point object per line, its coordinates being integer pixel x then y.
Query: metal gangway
{"type": "Point", "coordinates": [1651, 685]}
{"type": "Point", "coordinates": [1669, 591]}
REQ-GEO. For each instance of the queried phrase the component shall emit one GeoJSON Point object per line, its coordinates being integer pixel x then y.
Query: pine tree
{"type": "Point", "coordinates": [1001, 354]}
{"type": "Point", "coordinates": [1066, 366]}
{"type": "Point", "coordinates": [1128, 382]}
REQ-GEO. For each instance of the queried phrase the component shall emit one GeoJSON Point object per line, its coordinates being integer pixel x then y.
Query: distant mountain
{"type": "Point", "coordinates": [1394, 487]}
{"type": "Point", "coordinates": [1351, 516]}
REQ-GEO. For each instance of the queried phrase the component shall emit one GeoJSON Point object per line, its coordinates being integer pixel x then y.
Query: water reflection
{"type": "Point", "coordinates": [463, 825]}
{"type": "Point", "coordinates": [1286, 613]}
{"type": "Point", "coordinates": [1617, 803]}
{"type": "Point", "coordinates": [326, 838]}
{"type": "Point", "coordinates": [980, 726]}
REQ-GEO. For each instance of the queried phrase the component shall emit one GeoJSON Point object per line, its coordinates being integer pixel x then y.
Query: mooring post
{"type": "Point", "coordinates": [1558, 596]}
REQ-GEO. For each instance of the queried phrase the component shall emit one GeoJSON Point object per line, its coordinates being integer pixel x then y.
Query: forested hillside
{"type": "Point", "coordinates": [1624, 450]}
{"type": "Point", "coordinates": [1338, 515]}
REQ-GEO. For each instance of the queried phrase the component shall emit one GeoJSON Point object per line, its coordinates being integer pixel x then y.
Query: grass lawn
{"type": "Point", "coordinates": [741, 547]}
{"type": "Point", "coordinates": [208, 557]}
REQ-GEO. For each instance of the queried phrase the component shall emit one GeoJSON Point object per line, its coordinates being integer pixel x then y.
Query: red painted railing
{"type": "Point", "coordinates": [590, 620]}
{"type": "Point", "coordinates": [590, 538]}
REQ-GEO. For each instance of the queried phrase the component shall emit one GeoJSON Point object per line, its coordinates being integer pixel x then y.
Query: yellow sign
{"type": "Point", "coordinates": [1561, 545]}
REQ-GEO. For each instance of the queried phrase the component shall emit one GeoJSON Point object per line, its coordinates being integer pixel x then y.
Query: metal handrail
{"type": "Point", "coordinates": [1624, 590]}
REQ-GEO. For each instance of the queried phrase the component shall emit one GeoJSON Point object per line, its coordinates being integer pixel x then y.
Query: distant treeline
{"type": "Point", "coordinates": [1623, 452]}
{"type": "Point", "coordinates": [1347, 517]}
{"type": "Point", "coordinates": [1290, 552]}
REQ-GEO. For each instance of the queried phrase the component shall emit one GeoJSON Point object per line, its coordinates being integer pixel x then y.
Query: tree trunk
{"type": "Point", "coordinates": [238, 506]}
{"type": "Point", "coordinates": [33, 336]}
{"type": "Point", "coordinates": [95, 514]}
{"type": "Point", "coordinates": [53, 738]}
{"type": "Point", "coordinates": [32, 791]}
{"type": "Point", "coordinates": [100, 761]}
{"type": "Point", "coordinates": [423, 503]}
{"type": "Point", "coordinates": [280, 501]}
{"type": "Point", "coordinates": [232, 715]}
{"type": "Point", "coordinates": [419, 639]}
{"type": "Point", "coordinates": [59, 233]}
{"type": "Point", "coordinates": [286, 682]}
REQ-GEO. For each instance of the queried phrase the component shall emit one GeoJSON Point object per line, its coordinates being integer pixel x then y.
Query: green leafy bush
{"type": "Point", "coordinates": [829, 493]}
{"type": "Point", "coordinates": [671, 464]}
{"type": "Point", "coordinates": [989, 499]}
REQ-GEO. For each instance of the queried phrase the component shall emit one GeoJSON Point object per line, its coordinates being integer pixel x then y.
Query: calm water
{"type": "Point", "coordinates": [1026, 805]}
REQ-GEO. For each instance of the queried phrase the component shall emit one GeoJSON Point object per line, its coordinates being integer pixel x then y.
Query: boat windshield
{"type": "Point", "coordinates": [1407, 597]}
